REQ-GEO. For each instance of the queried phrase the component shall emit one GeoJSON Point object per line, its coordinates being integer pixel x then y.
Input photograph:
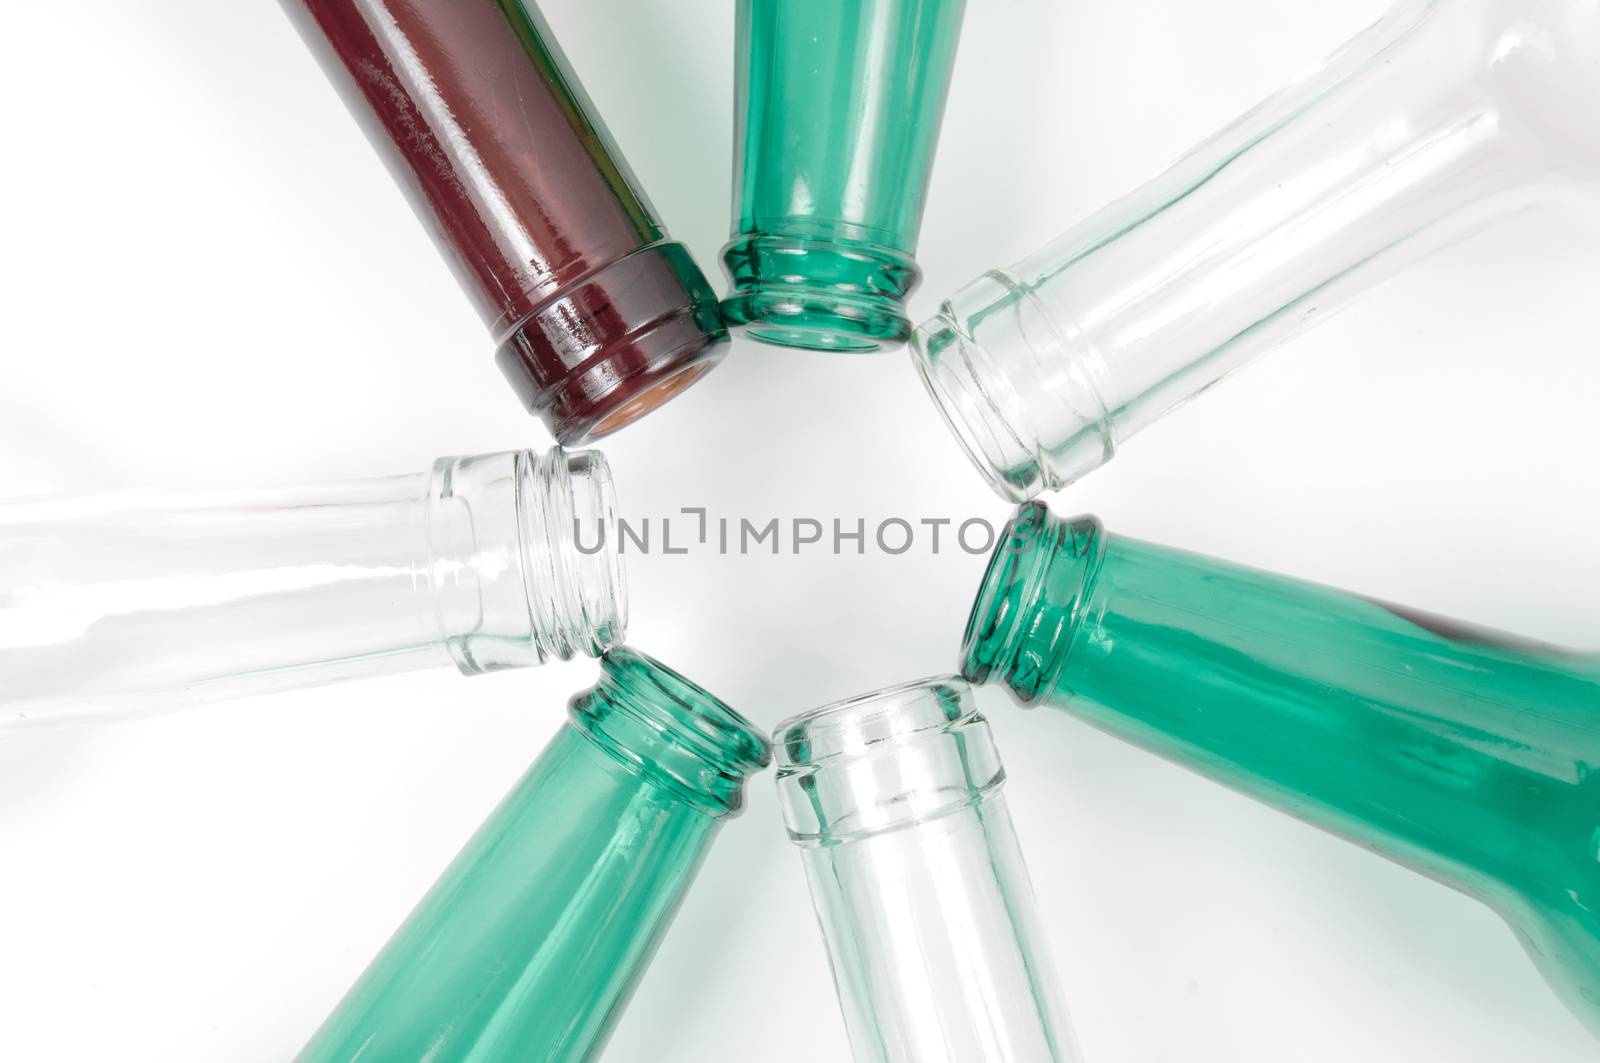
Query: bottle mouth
{"type": "Point", "coordinates": [885, 760]}
{"type": "Point", "coordinates": [812, 319]}
{"type": "Point", "coordinates": [664, 390]}
{"type": "Point", "coordinates": [520, 564]}
{"type": "Point", "coordinates": [661, 725]}
{"type": "Point", "coordinates": [853, 726]}
{"type": "Point", "coordinates": [617, 345]}
{"type": "Point", "coordinates": [573, 572]}
{"type": "Point", "coordinates": [1031, 600]}
{"type": "Point", "coordinates": [978, 406]}
{"type": "Point", "coordinates": [822, 292]}
{"type": "Point", "coordinates": [1020, 386]}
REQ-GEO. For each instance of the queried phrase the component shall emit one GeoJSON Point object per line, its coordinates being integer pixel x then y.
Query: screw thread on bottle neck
{"type": "Point", "coordinates": [572, 573]}
{"type": "Point", "coordinates": [662, 726]}
{"type": "Point", "coordinates": [1019, 388]}
{"type": "Point", "coordinates": [521, 561]}
{"type": "Point", "coordinates": [1032, 600]}
{"type": "Point", "coordinates": [884, 761]}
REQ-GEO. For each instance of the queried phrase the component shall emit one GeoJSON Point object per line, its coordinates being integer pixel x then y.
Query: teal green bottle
{"type": "Point", "coordinates": [836, 119]}
{"type": "Point", "coordinates": [1468, 755]}
{"type": "Point", "coordinates": [528, 947]}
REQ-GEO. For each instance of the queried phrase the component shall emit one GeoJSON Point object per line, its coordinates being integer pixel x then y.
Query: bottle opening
{"type": "Point", "coordinates": [1019, 388]}
{"type": "Point", "coordinates": [618, 344]}
{"type": "Point", "coordinates": [816, 319]}
{"type": "Point", "coordinates": [949, 364]}
{"type": "Point", "coordinates": [569, 506]}
{"type": "Point", "coordinates": [643, 403]}
{"type": "Point", "coordinates": [884, 760]}
{"type": "Point", "coordinates": [1030, 601]}
{"type": "Point", "coordinates": [812, 336]}
{"type": "Point", "coordinates": [822, 292]}
{"type": "Point", "coordinates": [656, 722]}
{"type": "Point", "coordinates": [517, 560]}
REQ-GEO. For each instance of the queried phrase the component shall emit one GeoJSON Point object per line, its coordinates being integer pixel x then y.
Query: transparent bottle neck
{"type": "Point", "coordinates": [918, 880]}
{"type": "Point", "coordinates": [520, 559]}
{"type": "Point", "coordinates": [135, 603]}
{"type": "Point", "coordinates": [883, 761]}
{"type": "Point", "coordinates": [1440, 117]}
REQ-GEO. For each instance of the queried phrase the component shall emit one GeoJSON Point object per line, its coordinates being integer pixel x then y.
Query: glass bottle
{"type": "Point", "coordinates": [138, 602]}
{"type": "Point", "coordinates": [926, 910]}
{"type": "Point", "coordinates": [597, 316]}
{"type": "Point", "coordinates": [837, 112]}
{"type": "Point", "coordinates": [530, 944]}
{"type": "Point", "coordinates": [1441, 116]}
{"type": "Point", "coordinates": [1465, 754]}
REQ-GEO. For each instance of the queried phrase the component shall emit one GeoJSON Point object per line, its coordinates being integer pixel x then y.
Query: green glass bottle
{"type": "Point", "coordinates": [531, 942]}
{"type": "Point", "coordinates": [1465, 754]}
{"type": "Point", "coordinates": [836, 120]}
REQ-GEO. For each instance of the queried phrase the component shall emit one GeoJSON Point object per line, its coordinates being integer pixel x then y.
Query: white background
{"type": "Point", "coordinates": [209, 280]}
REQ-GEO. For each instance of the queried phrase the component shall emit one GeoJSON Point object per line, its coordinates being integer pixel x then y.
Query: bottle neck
{"type": "Point", "coordinates": [1032, 600]}
{"type": "Point", "coordinates": [884, 761]}
{"type": "Point", "coordinates": [1459, 752]}
{"type": "Point", "coordinates": [663, 727]}
{"type": "Point", "coordinates": [139, 603]}
{"type": "Point", "coordinates": [918, 882]}
{"type": "Point", "coordinates": [1402, 142]}
{"type": "Point", "coordinates": [839, 115]}
{"type": "Point", "coordinates": [532, 940]}
{"type": "Point", "coordinates": [519, 562]}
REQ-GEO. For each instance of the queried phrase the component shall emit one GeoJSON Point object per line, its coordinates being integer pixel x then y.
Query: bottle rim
{"type": "Point", "coordinates": [1030, 601]}
{"type": "Point", "coordinates": [583, 591]}
{"type": "Point", "coordinates": [669, 729]}
{"type": "Point", "coordinates": [976, 405]}
{"type": "Point", "coordinates": [900, 713]}
{"type": "Point", "coordinates": [893, 759]}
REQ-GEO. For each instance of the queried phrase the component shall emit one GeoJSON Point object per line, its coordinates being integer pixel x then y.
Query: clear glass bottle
{"type": "Point", "coordinates": [1465, 754]}
{"type": "Point", "coordinates": [531, 942]}
{"type": "Point", "coordinates": [597, 315]}
{"type": "Point", "coordinates": [1439, 117]}
{"type": "Point", "coordinates": [918, 881]}
{"type": "Point", "coordinates": [836, 120]}
{"type": "Point", "coordinates": [137, 602]}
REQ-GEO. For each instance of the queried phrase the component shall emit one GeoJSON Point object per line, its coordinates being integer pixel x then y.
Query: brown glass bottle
{"type": "Point", "coordinates": [598, 316]}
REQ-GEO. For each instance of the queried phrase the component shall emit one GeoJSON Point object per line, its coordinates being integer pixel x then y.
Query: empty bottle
{"type": "Point", "coordinates": [530, 944]}
{"type": "Point", "coordinates": [894, 799]}
{"type": "Point", "coordinates": [1439, 117]}
{"type": "Point", "coordinates": [1465, 754]}
{"type": "Point", "coordinates": [598, 317]}
{"type": "Point", "coordinates": [139, 602]}
{"type": "Point", "coordinates": [836, 119]}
